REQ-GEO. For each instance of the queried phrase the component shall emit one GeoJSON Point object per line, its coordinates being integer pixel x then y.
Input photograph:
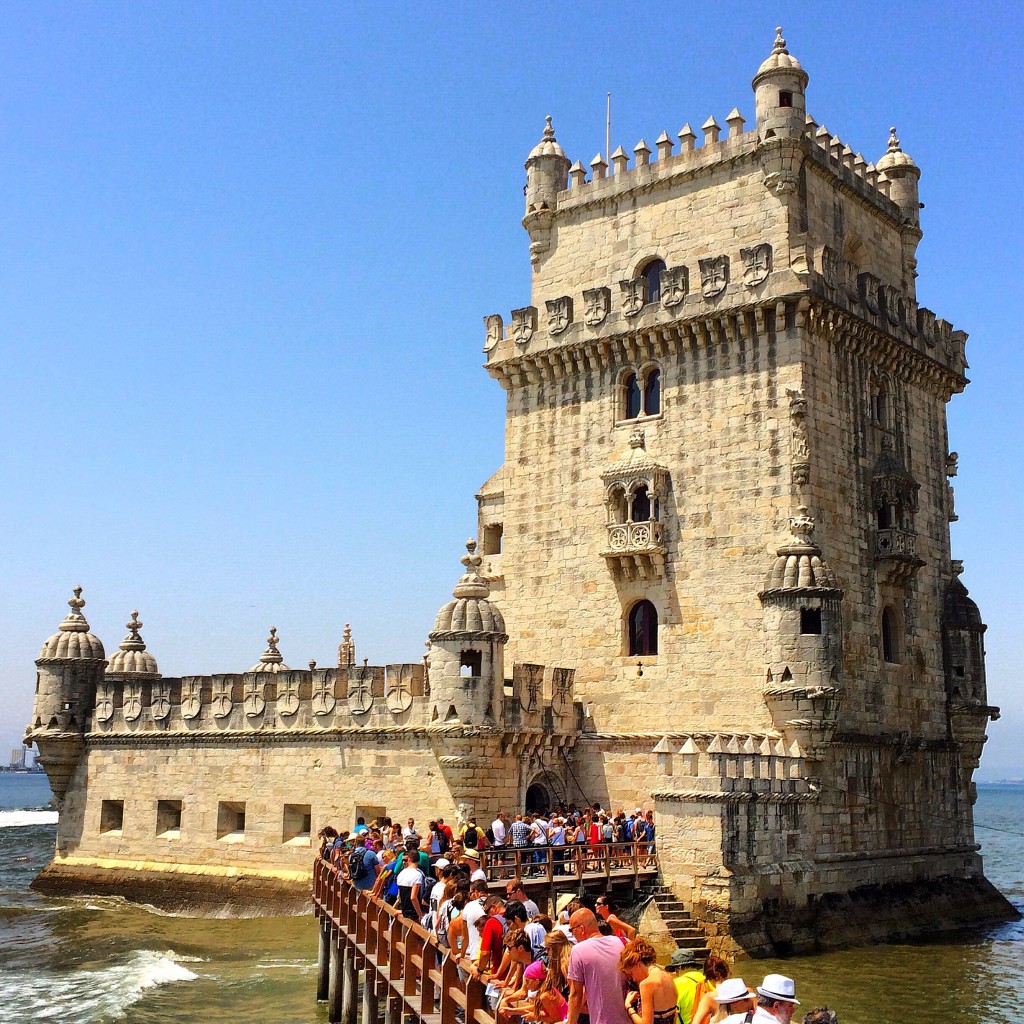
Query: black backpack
{"type": "Point", "coordinates": [357, 868]}
{"type": "Point", "coordinates": [472, 838]}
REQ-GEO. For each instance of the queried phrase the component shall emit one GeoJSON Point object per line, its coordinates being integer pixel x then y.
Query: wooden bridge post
{"type": "Point", "coordinates": [369, 994]}
{"type": "Point", "coordinates": [335, 984]}
{"type": "Point", "coordinates": [350, 987]}
{"type": "Point", "coordinates": [323, 960]}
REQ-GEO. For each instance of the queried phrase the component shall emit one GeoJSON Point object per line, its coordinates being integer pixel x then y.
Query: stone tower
{"type": "Point", "coordinates": [721, 343]}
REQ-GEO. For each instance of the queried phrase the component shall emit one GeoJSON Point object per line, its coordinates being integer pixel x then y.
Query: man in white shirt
{"type": "Point", "coordinates": [472, 858]}
{"type": "Point", "coordinates": [514, 891]}
{"type": "Point", "coordinates": [471, 913]}
{"type": "Point", "coordinates": [498, 829]}
{"type": "Point", "coordinates": [776, 1000]}
{"type": "Point", "coordinates": [409, 832]}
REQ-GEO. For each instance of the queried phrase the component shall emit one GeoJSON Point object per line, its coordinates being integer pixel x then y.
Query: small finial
{"type": "Point", "coordinates": [780, 43]}
{"type": "Point", "coordinates": [312, 664]}
{"type": "Point", "coordinates": [549, 131]}
{"type": "Point", "coordinates": [471, 560]}
{"type": "Point", "coordinates": [894, 142]}
{"type": "Point", "coordinates": [76, 603]}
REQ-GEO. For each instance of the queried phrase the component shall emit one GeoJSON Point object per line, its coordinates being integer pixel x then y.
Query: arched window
{"type": "Point", "coordinates": [633, 397]}
{"type": "Point", "coordinates": [652, 280]}
{"type": "Point", "coordinates": [890, 637]}
{"type": "Point", "coordinates": [641, 510]}
{"type": "Point", "coordinates": [643, 629]}
{"type": "Point", "coordinates": [617, 506]}
{"type": "Point", "coordinates": [880, 411]}
{"type": "Point", "coordinates": [652, 393]}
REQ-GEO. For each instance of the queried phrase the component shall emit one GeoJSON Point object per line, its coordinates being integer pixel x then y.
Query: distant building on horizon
{"type": "Point", "coordinates": [714, 578]}
{"type": "Point", "coordinates": [18, 757]}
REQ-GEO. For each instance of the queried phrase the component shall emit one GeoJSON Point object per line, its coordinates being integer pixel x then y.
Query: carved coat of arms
{"type": "Point", "coordinates": [324, 700]}
{"type": "Point", "coordinates": [287, 700]}
{"type": "Point", "coordinates": [399, 694]}
{"type": "Point", "coordinates": [253, 700]}
{"type": "Point", "coordinates": [104, 702]}
{"type": "Point", "coordinates": [161, 705]}
{"type": "Point", "coordinates": [714, 276]}
{"type": "Point", "coordinates": [132, 701]}
{"type": "Point", "coordinates": [829, 266]}
{"type": "Point", "coordinates": [757, 264]}
{"type": "Point", "coordinates": [524, 323]}
{"type": "Point", "coordinates": [675, 286]}
{"type": "Point", "coordinates": [633, 296]}
{"type": "Point", "coordinates": [597, 303]}
{"type": "Point", "coordinates": [360, 692]}
{"type": "Point", "coordinates": [495, 330]}
{"type": "Point", "coordinates": [191, 698]}
{"type": "Point", "coordinates": [221, 702]}
{"type": "Point", "coordinates": [559, 314]}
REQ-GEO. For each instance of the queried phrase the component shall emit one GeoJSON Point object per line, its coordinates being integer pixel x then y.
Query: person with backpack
{"type": "Point", "coordinates": [473, 837]}
{"type": "Point", "coordinates": [363, 864]}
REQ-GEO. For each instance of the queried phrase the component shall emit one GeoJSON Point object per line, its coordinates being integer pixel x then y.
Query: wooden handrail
{"type": "Point", "coordinates": [572, 861]}
{"type": "Point", "coordinates": [406, 960]}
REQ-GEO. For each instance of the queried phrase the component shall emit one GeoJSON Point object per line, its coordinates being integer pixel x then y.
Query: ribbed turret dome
{"type": "Point", "coordinates": [270, 659]}
{"type": "Point", "coordinates": [799, 565]}
{"type": "Point", "coordinates": [780, 59]}
{"type": "Point", "coordinates": [73, 641]}
{"type": "Point", "coordinates": [548, 145]}
{"type": "Point", "coordinates": [894, 156]}
{"type": "Point", "coordinates": [132, 658]}
{"type": "Point", "coordinates": [471, 611]}
{"type": "Point", "coordinates": [957, 608]}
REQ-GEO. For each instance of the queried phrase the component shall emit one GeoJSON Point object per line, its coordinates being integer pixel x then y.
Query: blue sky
{"type": "Point", "coordinates": [248, 247]}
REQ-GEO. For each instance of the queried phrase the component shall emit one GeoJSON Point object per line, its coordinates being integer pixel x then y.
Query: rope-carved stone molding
{"type": "Point", "coordinates": [704, 797]}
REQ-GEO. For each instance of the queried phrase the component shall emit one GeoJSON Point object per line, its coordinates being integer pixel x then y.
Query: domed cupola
{"type": "Point", "coordinates": [547, 174]}
{"type": "Point", "coordinates": [68, 670]}
{"type": "Point", "coordinates": [903, 176]}
{"type": "Point", "coordinates": [131, 660]}
{"type": "Point", "coordinates": [467, 650]}
{"type": "Point", "coordinates": [73, 641]}
{"type": "Point", "coordinates": [802, 610]}
{"type": "Point", "coordinates": [270, 659]}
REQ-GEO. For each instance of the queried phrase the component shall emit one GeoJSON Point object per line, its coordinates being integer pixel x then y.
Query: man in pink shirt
{"type": "Point", "coordinates": [595, 981]}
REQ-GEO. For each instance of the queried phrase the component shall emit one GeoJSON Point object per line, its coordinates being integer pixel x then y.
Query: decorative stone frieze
{"type": "Point", "coordinates": [714, 276]}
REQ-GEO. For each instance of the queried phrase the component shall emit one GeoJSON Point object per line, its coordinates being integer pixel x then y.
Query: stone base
{"type": "Point", "coordinates": [182, 892]}
{"type": "Point", "coordinates": [869, 914]}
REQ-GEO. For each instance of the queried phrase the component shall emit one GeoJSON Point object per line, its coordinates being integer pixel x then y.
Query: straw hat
{"type": "Point", "coordinates": [564, 900]}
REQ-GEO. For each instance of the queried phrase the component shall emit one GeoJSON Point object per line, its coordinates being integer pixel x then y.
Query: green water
{"type": "Point", "coordinates": [88, 961]}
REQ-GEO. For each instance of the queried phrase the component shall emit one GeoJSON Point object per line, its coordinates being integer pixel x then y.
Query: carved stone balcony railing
{"type": "Point", "coordinates": [896, 550]}
{"type": "Point", "coordinates": [636, 550]}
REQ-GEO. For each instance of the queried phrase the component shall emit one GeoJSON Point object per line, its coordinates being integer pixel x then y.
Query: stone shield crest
{"type": "Point", "coordinates": [597, 303]}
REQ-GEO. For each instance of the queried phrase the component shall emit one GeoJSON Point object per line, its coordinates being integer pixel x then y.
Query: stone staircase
{"type": "Point", "coordinates": [685, 931]}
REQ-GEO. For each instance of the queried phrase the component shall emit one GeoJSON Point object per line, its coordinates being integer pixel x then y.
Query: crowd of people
{"type": "Point", "coordinates": [581, 964]}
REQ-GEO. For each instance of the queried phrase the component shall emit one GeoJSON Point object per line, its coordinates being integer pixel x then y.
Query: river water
{"type": "Point", "coordinates": [92, 961]}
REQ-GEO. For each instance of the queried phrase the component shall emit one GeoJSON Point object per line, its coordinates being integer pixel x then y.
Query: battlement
{"type": "Point", "coordinates": [359, 696]}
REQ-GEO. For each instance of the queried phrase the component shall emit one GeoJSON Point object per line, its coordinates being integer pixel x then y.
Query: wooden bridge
{"type": "Point", "coordinates": [406, 972]}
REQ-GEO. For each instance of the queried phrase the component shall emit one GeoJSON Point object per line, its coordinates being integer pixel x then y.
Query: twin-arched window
{"type": "Point", "coordinates": [641, 394]}
{"type": "Point", "coordinates": [642, 627]}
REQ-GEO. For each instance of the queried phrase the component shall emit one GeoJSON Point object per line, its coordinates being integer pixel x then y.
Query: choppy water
{"type": "Point", "coordinates": [94, 961]}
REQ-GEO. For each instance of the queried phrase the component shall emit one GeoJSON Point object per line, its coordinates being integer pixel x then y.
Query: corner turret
{"type": "Point", "coordinates": [802, 607]}
{"type": "Point", "coordinates": [131, 660]}
{"type": "Point", "coordinates": [547, 174]}
{"type": "Point", "coordinates": [467, 651]}
{"type": "Point", "coordinates": [779, 94]}
{"type": "Point", "coordinates": [69, 667]}
{"type": "Point", "coordinates": [903, 176]}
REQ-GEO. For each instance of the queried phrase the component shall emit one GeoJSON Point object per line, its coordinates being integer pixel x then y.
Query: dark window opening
{"type": "Point", "coordinates": [643, 629]}
{"type": "Point", "coordinates": [652, 393]}
{"type": "Point", "coordinates": [810, 621]}
{"type": "Point", "coordinates": [959, 671]}
{"type": "Point", "coordinates": [785, 99]}
{"type": "Point", "coordinates": [641, 506]}
{"type": "Point", "coordinates": [469, 663]}
{"type": "Point", "coordinates": [492, 539]}
{"type": "Point", "coordinates": [652, 280]}
{"type": "Point", "coordinates": [111, 815]}
{"type": "Point", "coordinates": [633, 397]}
{"type": "Point", "coordinates": [884, 517]}
{"type": "Point", "coordinates": [168, 818]}
{"type": "Point", "coordinates": [890, 651]}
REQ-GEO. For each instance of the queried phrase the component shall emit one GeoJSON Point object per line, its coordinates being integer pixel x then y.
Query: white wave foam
{"type": "Point", "coordinates": [19, 819]}
{"type": "Point", "coordinates": [82, 996]}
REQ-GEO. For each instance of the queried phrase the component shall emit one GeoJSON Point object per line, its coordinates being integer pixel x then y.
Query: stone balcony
{"type": "Point", "coordinates": [896, 553]}
{"type": "Point", "coordinates": [636, 551]}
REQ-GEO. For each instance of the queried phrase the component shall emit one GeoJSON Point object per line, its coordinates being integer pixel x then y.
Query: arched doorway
{"type": "Point", "coordinates": [537, 798]}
